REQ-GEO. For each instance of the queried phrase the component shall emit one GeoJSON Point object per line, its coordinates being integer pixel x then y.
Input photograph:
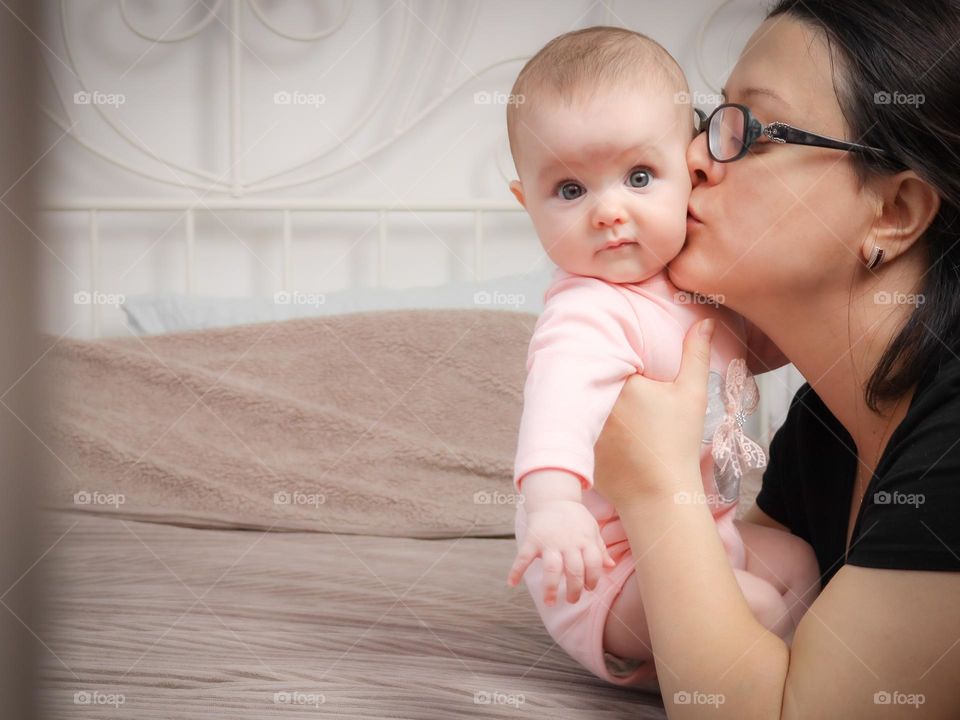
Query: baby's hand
{"type": "Point", "coordinates": [567, 537]}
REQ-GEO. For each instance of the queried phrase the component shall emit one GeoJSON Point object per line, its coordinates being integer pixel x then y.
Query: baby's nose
{"type": "Point", "coordinates": [608, 214]}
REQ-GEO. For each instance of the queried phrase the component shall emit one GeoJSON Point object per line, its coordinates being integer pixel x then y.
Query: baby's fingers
{"type": "Point", "coordinates": [573, 568]}
{"type": "Point", "coordinates": [607, 557]}
{"type": "Point", "coordinates": [592, 561]}
{"type": "Point", "coordinates": [528, 553]}
{"type": "Point", "coordinates": [552, 562]}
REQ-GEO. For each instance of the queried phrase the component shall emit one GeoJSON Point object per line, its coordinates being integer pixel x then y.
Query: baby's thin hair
{"type": "Point", "coordinates": [581, 62]}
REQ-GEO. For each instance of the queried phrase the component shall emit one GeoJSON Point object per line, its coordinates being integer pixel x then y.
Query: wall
{"type": "Point", "coordinates": [388, 100]}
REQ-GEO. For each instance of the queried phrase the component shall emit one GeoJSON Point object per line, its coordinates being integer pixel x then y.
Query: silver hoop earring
{"type": "Point", "coordinates": [876, 258]}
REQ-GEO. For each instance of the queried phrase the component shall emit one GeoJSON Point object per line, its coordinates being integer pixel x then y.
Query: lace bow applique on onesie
{"type": "Point", "coordinates": [728, 404]}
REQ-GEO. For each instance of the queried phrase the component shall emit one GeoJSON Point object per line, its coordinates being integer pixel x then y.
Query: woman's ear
{"type": "Point", "coordinates": [517, 189]}
{"type": "Point", "coordinates": [909, 205]}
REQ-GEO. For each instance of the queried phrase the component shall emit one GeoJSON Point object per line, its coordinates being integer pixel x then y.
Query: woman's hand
{"type": "Point", "coordinates": [650, 443]}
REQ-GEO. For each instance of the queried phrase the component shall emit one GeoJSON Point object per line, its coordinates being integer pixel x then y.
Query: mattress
{"type": "Point", "coordinates": [150, 620]}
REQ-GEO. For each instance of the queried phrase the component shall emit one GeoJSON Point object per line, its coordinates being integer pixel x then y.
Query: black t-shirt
{"type": "Point", "coordinates": [910, 515]}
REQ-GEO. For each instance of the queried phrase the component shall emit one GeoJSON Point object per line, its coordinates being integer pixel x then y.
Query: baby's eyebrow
{"type": "Point", "coordinates": [649, 151]}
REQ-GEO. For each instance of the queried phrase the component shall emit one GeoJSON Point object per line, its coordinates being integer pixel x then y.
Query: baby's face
{"type": "Point", "coordinates": [610, 169]}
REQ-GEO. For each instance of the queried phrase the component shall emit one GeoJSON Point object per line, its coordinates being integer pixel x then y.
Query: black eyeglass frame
{"type": "Point", "coordinates": [777, 132]}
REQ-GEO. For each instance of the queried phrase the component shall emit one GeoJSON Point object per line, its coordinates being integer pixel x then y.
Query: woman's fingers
{"type": "Point", "coordinates": [695, 361]}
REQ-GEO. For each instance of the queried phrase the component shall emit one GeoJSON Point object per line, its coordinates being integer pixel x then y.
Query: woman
{"type": "Point", "coordinates": [845, 260]}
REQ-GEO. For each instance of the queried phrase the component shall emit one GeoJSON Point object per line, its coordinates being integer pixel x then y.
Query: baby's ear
{"type": "Point", "coordinates": [517, 189]}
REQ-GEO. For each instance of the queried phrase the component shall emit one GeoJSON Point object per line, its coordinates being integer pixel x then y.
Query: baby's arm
{"type": "Point", "coordinates": [584, 346]}
{"type": "Point", "coordinates": [582, 350]}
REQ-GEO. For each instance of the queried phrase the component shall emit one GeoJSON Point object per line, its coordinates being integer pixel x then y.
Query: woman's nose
{"type": "Point", "coordinates": [703, 168]}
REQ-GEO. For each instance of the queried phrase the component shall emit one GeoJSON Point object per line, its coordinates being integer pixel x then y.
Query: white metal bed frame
{"type": "Point", "coordinates": [286, 209]}
{"type": "Point", "coordinates": [239, 189]}
{"type": "Point", "coordinates": [236, 185]}
{"type": "Point", "coordinates": [233, 192]}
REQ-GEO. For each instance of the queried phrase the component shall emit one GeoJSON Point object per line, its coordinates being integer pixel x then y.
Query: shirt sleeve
{"type": "Point", "coordinates": [585, 344]}
{"type": "Point", "coordinates": [910, 521]}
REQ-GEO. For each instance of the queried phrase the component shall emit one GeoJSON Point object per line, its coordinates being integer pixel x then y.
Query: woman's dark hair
{"type": "Point", "coordinates": [889, 50]}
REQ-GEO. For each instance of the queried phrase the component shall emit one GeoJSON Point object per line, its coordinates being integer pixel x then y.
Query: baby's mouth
{"type": "Point", "coordinates": [619, 244]}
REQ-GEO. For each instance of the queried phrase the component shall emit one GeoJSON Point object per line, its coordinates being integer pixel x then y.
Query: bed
{"type": "Point", "coordinates": [256, 558]}
{"type": "Point", "coordinates": [262, 508]}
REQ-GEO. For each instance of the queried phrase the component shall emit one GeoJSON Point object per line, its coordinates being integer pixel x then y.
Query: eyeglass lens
{"type": "Point", "coordinates": [726, 133]}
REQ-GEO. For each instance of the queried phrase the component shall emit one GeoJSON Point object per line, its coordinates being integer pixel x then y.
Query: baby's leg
{"type": "Point", "coordinates": [625, 632]}
{"type": "Point", "coordinates": [626, 635]}
{"type": "Point", "coordinates": [766, 604]}
{"type": "Point", "coordinates": [786, 562]}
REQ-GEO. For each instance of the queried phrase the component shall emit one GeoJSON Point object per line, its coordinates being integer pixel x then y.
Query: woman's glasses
{"type": "Point", "coordinates": [732, 129]}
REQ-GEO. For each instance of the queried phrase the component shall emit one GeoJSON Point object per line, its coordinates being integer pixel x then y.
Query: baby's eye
{"type": "Point", "coordinates": [639, 177]}
{"type": "Point", "coordinates": [570, 190]}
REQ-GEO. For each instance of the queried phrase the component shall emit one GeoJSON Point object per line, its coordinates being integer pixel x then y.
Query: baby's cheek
{"type": "Point", "coordinates": [555, 244]}
{"type": "Point", "coordinates": [669, 226]}
{"type": "Point", "coordinates": [564, 244]}
{"type": "Point", "coordinates": [678, 210]}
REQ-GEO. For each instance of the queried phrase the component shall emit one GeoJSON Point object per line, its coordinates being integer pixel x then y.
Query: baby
{"type": "Point", "coordinates": [599, 131]}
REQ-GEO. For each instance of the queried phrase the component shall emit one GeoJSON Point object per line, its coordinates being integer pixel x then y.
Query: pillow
{"type": "Point", "coordinates": [398, 423]}
{"type": "Point", "coordinates": [163, 313]}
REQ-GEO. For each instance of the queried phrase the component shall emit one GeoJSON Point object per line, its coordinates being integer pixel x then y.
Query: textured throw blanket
{"type": "Point", "coordinates": [394, 423]}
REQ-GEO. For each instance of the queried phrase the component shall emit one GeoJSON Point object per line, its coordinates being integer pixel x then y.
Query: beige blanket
{"type": "Point", "coordinates": [399, 423]}
{"type": "Point", "coordinates": [363, 425]}
{"type": "Point", "coordinates": [146, 621]}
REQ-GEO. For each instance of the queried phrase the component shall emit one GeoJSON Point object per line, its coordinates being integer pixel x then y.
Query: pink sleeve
{"type": "Point", "coordinates": [581, 353]}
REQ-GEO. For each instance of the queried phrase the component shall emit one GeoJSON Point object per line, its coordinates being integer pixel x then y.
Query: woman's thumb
{"type": "Point", "coordinates": [695, 363]}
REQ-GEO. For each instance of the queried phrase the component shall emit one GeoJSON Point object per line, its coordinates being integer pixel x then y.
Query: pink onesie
{"type": "Point", "coordinates": [590, 337]}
